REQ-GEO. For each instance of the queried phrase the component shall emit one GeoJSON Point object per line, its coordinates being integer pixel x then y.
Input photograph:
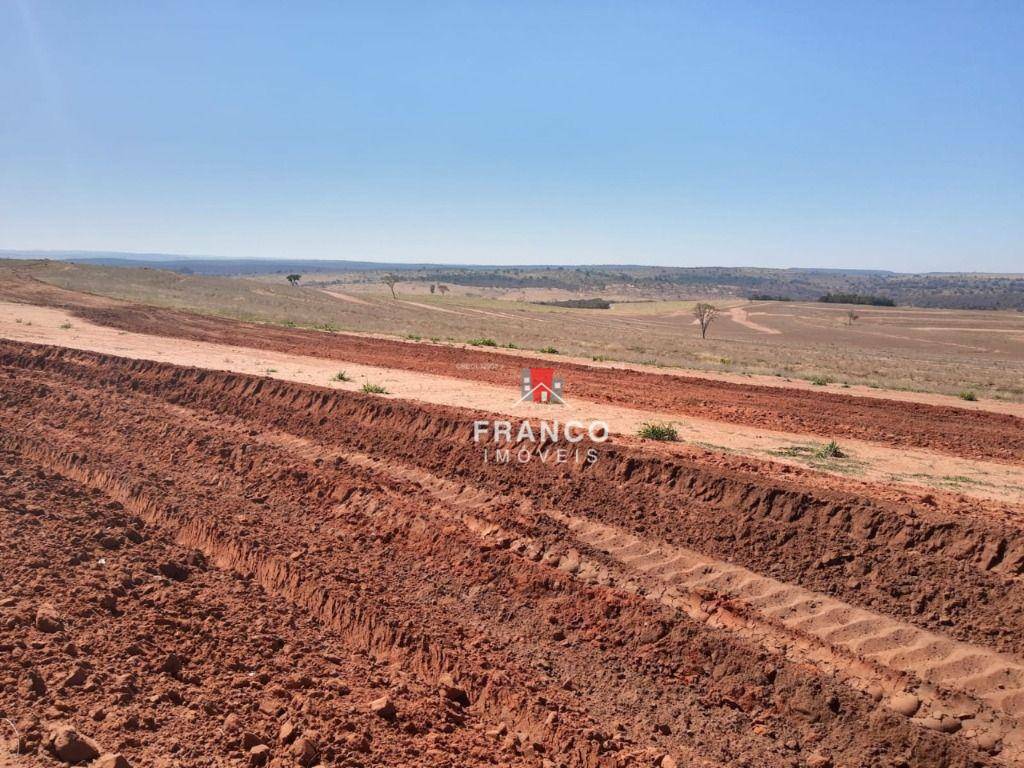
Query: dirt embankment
{"type": "Point", "coordinates": [641, 607]}
{"type": "Point", "coordinates": [956, 431]}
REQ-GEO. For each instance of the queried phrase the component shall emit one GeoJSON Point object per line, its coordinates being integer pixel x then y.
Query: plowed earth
{"type": "Point", "coordinates": [206, 568]}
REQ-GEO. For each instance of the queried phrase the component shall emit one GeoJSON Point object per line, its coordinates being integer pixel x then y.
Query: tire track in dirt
{"type": "Point", "coordinates": [957, 686]}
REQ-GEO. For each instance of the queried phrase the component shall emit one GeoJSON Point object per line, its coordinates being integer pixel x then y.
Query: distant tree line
{"type": "Point", "coordinates": [857, 298]}
{"type": "Point", "coordinates": [578, 303]}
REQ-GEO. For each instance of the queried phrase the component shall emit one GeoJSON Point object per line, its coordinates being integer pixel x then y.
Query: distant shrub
{"type": "Point", "coordinates": [374, 389]}
{"type": "Point", "coordinates": [857, 298]}
{"type": "Point", "coordinates": [413, 337]}
{"type": "Point", "coordinates": [821, 381]}
{"type": "Point", "coordinates": [967, 395]}
{"type": "Point", "coordinates": [549, 351]}
{"type": "Point", "coordinates": [579, 303]}
{"type": "Point", "coordinates": [341, 376]}
{"type": "Point", "coordinates": [768, 297]}
{"type": "Point", "coordinates": [483, 342]}
{"type": "Point", "coordinates": [65, 326]}
{"type": "Point", "coordinates": [652, 430]}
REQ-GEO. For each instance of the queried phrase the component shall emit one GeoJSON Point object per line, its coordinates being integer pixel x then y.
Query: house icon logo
{"type": "Point", "coordinates": [540, 385]}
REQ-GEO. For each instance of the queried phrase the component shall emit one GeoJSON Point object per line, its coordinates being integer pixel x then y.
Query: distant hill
{"type": "Point", "coordinates": [938, 289]}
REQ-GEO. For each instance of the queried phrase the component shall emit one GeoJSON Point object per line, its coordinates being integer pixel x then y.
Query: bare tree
{"type": "Point", "coordinates": [442, 289]}
{"type": "Point", "coordinates": [293, 279]}
{"type": "Point", "coordinates": [705, 313]}
{"type": "Point", "coordinates": [390, 281]}
{"type": "Point", "coordinates": [851, 315]}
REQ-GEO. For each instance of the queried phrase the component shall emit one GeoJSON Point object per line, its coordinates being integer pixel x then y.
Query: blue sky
{"type": "Point", "coordinates": [843, 134]}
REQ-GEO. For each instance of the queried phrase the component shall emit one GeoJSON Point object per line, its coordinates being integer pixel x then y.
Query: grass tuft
{"type": "Point", "coordinates": [821, 381]}
{"type": "Point", "coordinates": [967, 395]}
{"type": "Point", "coordinates": [483, 342]}
{"type": "Point", "coordinates": [652, 430]}
{"type": "Point", "coordinates": [374, 389]}
{"type": "Point", "coordinates": [830, 451]}
{"type": "Point", "coordinates": [549, 351]}
{"type": "Point", "coordinates": [341, 376]}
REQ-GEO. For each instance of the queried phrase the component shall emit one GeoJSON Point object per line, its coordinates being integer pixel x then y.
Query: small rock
{"type": "Point", "coordinates": [35, 683]}
{"type": "Point", "coordinates": [818, 760]}
{"type": "Point", "coordinates": [383, 708]}
{"type": "Point", "coordinates": [47, 619]}
{"type": "Point", "coordinates": [988, 741]}
{"type": "Point", "coordinates": [271, 706]}
{"type": "Point", "coordinates": [109, 603]}
{"type": "Point", "coordinates": [71, 746]}
{"type": "Point", "coordinates": [287, 733]}
{"type": "Point", "coordinates": [250, 740]}
{"type": "Point", "coordinates": [111, 760]}
{"type": "Point", "coordinates": [259, 755]}
{"type": "Point", "coordinates": [905, 704]}
{"type": "Point", "coordinates": [304, 751]}
{"type": "Point", "coordinates": [174, 571]}
{"type": "Point", "coordinates": [232, 724]}
{"type": "Point", "coordinates": [667, 761]}
{"type": "Point", "coordinates": [76, 679]}
{"type": "Point", "coordinates": [452, 692]}
{"type": "Point", "coordinates": [172, 665]}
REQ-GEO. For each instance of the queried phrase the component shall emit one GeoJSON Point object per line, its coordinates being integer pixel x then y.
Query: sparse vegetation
{"type": "Point", "coordinates": [374, 389]}
{"type": "Point", "coordinates": [65, 326]}
{"type": "Point", "coordinates": [821, 381]}
{"type": "Point", "coordinates": [967, 395]}
{"type": "Point", "coordinates": [483, 343]}
{"type": "Point", "coordinates": [549, 351]}
{"type": "Point", "coordinates": [341, 376]}
{"type": "Point", "coordinates": [653, 430]}
{"type": "Point", "coordinates": [831, 450]}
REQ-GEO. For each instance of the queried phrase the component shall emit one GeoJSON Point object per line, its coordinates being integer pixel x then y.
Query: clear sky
{"type": "Point", "coordinates": [824, 133]}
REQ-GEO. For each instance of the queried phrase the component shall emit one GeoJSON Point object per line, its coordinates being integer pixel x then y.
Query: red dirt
{"type": "Point", "coordinates": [351, 547]}
{"type": "Point", "coordinates": [955, 431]}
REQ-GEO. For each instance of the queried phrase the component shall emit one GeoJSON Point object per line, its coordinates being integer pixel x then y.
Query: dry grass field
{"type": "Point", "coordinates": [927, 350]}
